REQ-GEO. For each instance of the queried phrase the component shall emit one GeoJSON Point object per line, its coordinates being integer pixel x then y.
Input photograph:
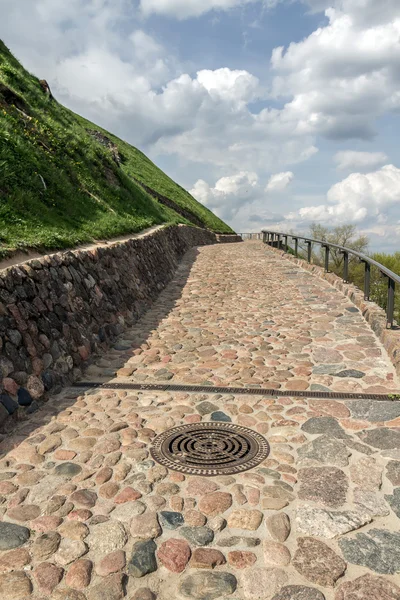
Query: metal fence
{"type": "Point", "coordinates": [280, 240]}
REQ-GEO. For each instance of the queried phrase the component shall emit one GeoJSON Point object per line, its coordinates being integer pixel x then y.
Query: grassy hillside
{"type": "Point", "coordinates": [64, 180]}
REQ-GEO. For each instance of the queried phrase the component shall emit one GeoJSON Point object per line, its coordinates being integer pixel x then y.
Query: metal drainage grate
{"type": "Point", "coordinates": [207, 389]}
{"type": "Point", "coordinates": [210, 449]}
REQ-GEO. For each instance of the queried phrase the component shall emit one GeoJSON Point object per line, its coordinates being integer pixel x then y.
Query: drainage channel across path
{"type": "Point", "coordinates": [90, 511]}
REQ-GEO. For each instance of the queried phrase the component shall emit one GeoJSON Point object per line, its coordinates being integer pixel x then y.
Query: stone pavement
{"type": "Point", "coordinates": [87, 514]}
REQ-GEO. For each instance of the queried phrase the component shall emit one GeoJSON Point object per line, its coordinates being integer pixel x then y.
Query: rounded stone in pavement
{"type": "Point", "coordinates": [49, 444]}
{"type": "Point", "coordinates": [128, 494]}
{"type": "Point", "coordinates": [208, 585]}
{"type": "Point", "coordinates": [84, 498]}
{"type": "Point", "coordinates": [75, 530]}
{"type": "Point", "coordinates": [240, 559]}
{"type": "Point", "coordinates": [368, 587]}
{"type": "Point", "coordinates": [14, 559]}
{"type": "Point", "coordinates": [207, 558]}
{"type": "Point", "coordinates": [278, 526]}
{"type": "Point", "coordinates": [67, 469]}
{"type": "Point", "coordinates": [245, 519]}
{"type": "Point", "coordinates": [215, 523]}
{"type": "Point", "coordinates": [204, 408]}
{"type": "Point", "coordinates": [79, 574]}
{"type": "Point", "coordinates": [317, 562]}
{"type": "Point", "coordinates": [125, 512]}
{"type": "Point", "coordinates": [198, 486]}
{"type": "Point", "coordinates": [12, 536]}
{"type": "Point", "coordinates": [110, 588]}
{"type": "Point", "coordinates": [112, 563]}
{"type": "Point", "coordinates": [195, 518]}
{"type": "Point", "coordinates": [218, 415]}
{"type": "Point", "coordinates": [69, 550]}
{"type": "Point", "coordinates": [198, 536]}
{"type": "Point", "coordinates": [170, 519]}
{"type": "Point", "coordinates": [46, 545]}
{"type": "Point", "coordinates": [299, 592]}
{"type": "Point", "coordinates": [215, 503]}
{"type": "Point", "coordinates": [262, 584]}
{"type": "Point", "coordinates": [15, 586]}
{"type": "Point", "coordinates": [47, 577]}
{"type": "Point", "coordinates": [228, 542]}
{"type": "Point", "coordinates": [107, 537]}
{"type": "Point", "coordinates": [174, 554]}
{"type": "Point", "coordinates": [276, 554]}
{"type": "Point", "coordinates": [145, 526]}
{"type": "Point", "coordinates": [46, 523]}
{"type": "Point", "coordinates": [26, 512]}
{"type": "Point", "coordinates": [143, 559]}
{"type": "Point", "coordinates": [167, 489]}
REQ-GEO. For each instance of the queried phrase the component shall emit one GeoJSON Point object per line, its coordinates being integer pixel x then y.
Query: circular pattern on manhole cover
{"type": "Point", "coordinates": [210, 449]}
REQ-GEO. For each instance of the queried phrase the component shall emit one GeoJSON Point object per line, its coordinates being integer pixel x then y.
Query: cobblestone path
{"type": "Point", "coordinates": [87, 514]}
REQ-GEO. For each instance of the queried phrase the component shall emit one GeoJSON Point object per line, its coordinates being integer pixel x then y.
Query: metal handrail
{"type": "Point", "coordinates": [274, 237]}
{"type": "Point", "coordinates": [251, 235]}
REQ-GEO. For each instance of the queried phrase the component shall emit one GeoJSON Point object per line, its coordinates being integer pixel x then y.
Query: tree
{"type": "Point", "coordinates": [342, 235]}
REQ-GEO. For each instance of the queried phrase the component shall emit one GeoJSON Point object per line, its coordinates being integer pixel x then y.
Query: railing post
{"type": "Point", "coordinates": [345, 267]}
{"type": "Point", "coordinates": [326, 258]}
{"type": "Point", "coordinates": [367, 280]}
{"type": "Point", "coordinates": [308, 251]}
{"type": "Point", "coordinates": [296, 246]}
{"type": "Point", "coordinates": [390, 302]}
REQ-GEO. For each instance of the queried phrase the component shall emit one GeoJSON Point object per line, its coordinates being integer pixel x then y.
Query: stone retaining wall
{"type": "Point", "coordinates": [372, 313]}
{"type": "Point", "coordinates": [57, 311]}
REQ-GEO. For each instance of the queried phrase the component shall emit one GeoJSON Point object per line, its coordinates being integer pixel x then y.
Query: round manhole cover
{"type": "Point", "coordinates": [210, 449]}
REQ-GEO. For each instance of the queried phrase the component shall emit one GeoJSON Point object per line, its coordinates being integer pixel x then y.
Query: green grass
{"type": "Point", "coordinates": [60, 187]}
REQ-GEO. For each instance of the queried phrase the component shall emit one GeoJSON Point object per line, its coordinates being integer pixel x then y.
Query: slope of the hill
{"type": "Point", "coordinates": [64, 180]}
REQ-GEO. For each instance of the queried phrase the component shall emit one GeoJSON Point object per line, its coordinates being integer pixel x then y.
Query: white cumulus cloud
{"type": "Point", "coordinates": [183, 9]}
{"type": "Point", "coordinates": [341, 77]}
{"type": "Point", "coordinates": [361, 199]}
{"type": "Point", "coordinates": [279, 181]}
{"type": "Point", "coordinates": [229, 193]}
{"type": "Point", "coordinates": [351, 160]}
{"type": "Point", "coordinates": [229, 85]}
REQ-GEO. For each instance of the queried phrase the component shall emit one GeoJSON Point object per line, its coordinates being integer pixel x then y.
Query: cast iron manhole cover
{"type": "Point", "coordinates": [210, 449]}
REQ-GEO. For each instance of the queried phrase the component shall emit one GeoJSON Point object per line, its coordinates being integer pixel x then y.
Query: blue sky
{"type": "Point", "coordinates": [273, 113]}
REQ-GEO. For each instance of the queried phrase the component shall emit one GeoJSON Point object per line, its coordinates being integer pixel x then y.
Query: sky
{"type": "Point", "coordinates": [273, 113]}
